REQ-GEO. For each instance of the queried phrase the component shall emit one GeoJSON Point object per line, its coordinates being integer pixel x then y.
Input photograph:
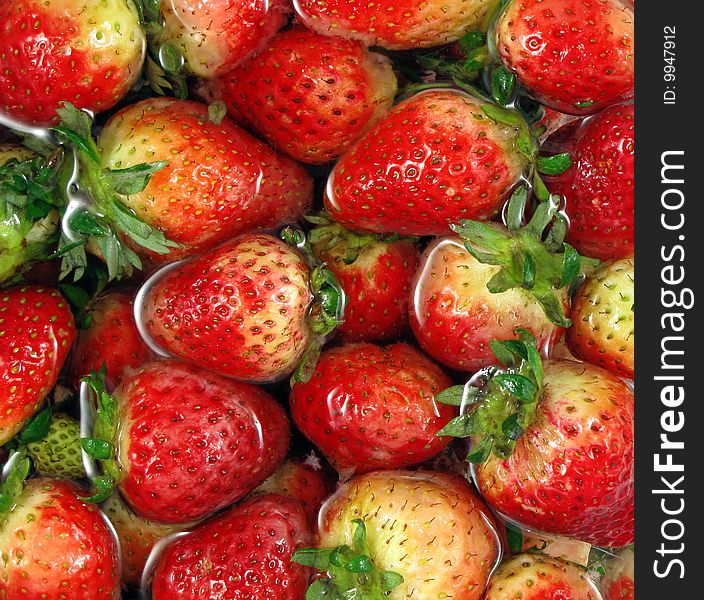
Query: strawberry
{"type": "Point", "coordinates": [435, 158]}
{"type": "Point", "coordinates": [242, 553]}
{"type": "Point", "coordinates": [368, 407]}
{"type": "Point", "coordinates": [575, 56]}
{"type": "Point", "coordinates": [241, 309]}
{"type": "Point", "coordinates": [216, 37]}
{"type": "Point", "coordinates": [376, 275]}
{"type": "Point", "coordinates": [54, 545]}
{"type": "Point", "coordinates": [454, 316]}
{"type": "Point", "coordinates": [325, 91]}
{"type": "Point", "coordinates": [482, 285]}
{"type": "Point", "coordinates": [396, 25]}
{"type": "Point", "coordinates": [306, 481]}
{"type": "Point", "coordinates": [618, 581]}
{"type": "Point", "coordinates": [537, 577]}
{"type": "Point", "coordinates": [599, 185]}
{"type": "Point", "coordinates": [182, 442]}
{"type": "Point", "coordinates": [58, 453]}
{"type": "Point", "coordinates": [429, 536]}
{"type": "Point", "coordinates": [552, 444]}
{"type": "Point", "coordinates": [90, 53]}
{"type": "Point", "coordinates": [219, 181]}
{"type": "Point", "coordinates": [111, 338]}
{"type": "Point", "coordinates": [137, 537]}
{"type": "Point", "coordinates": [36, 333]}
{"type": "Point", "coordinates": [602, 331]}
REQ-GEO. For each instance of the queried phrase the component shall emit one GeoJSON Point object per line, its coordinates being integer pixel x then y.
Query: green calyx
{"type": "Point", "coordinates": [533, 257]}
{"type": "Point", "coordinates": [496, 414]}
{"type": "Point", "coordinates": [328, 307]}
{"type": "Point", "coordinates": [29, 211]}
{"type": "Point", "coordinates": [165, 68]}
{"type": "Point", "coordinates": [101, 445]}
{"type": "Point", "coordinates": [463, 70]}
{"type": "Point", "coordinates": [351, 573]}
{"type": "Point", "coordinates": [13, 485]}
{"type": "Point", "coordinates": [96, 217]}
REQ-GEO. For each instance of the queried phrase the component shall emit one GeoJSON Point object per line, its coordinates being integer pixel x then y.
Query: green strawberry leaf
{"type": "Point", "coordinates": [37, 427]}
{"type": "Point", "coordinates": [104, 486]}
{"type": "Point", "coordinates": [529, 256]}
{"type": "Point", "coordinates": [133, 180]}
{"type": "Point", "coordinates": [13, 485]}
{"type": "Point", "coordinates": [503, 85]}
{"type": "Point", "coordinates": [514, 536]}
{"type": "Point", "coordinates": [504, 407]}
{"type": "Point", "coordinates": [554, 165]}
{"type": "Point", "coordinates": [351, 572]}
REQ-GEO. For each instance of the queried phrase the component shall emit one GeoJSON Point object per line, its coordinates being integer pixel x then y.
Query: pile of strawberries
{"type": "Point", "coordinates": [322, 300]}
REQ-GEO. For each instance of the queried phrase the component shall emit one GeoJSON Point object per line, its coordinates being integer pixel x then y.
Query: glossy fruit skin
{"type": "Point", "coordinates": [191, 442]}
{"type": "Point", "coordinates": [216, 36]}
{"type": "Point", "coordinates": [429, 527]}
{"type": "Point", "coordinates": [242, 553]}
{"type": "Point", "coordinates": [137, 537]}
{"type": "Point", "coordinates": [538, 577]}
{"type": "Point", "coordinates": [434, 159]}
{"type": "Point", "coordinates": [368, 407]}
{"type": "Point", "coordinates": [89, 53]}
{"type": "Point", "coordinates": [599, 187]}
{"type": "Point", "coordinates": [55, 546]}
{"type": "Point", "coordinates": [240, 309]}
{"type": "Point", "coordinates": [326, 90]}
{"type": "Point", "coordinates": [602, 331]}
{"type": "Point", "coordinates": [377, 285]}
{"type": "Point", "coordinates": [574, 56]}
{"type": "Point", "coordinates": [219, 182]}
{"type": "Point", "coordinates": [307, 481]}
{"type": "Point", "coordinates": [111, 339]}
{"type": "Point", "coordinates": [36, 333]}
{"type": "Point", "coordinates": [571, 472]}
{"type": "Point", "coordinates": [454, 317]}
{"type": "Point", "coordinates": [395, 25]}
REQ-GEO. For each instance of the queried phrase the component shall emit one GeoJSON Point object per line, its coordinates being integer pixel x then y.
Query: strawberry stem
{"type": "Point", "coordinates": [100, 446]}
{"type": "Point", "coordinates": [351, 573]}
{"type": "Point", "coordinates": [499, 411]}
{"type": "Point", "coordinates": [533, 257]}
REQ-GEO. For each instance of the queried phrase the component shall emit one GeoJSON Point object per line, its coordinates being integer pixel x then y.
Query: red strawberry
{"type": "Point", "coordinates": [454, 316]}
{"type": "Point", "coordinates": [111, 339]}
{"type": "Point", "coordinates": [602, 331]}
{"type": "Point", "coordinates": [137, 537]}
{"type": "Point", "coordinates": [575, 56]}
{"type": "Point", "coordinates": [599, 185]}
{"type": "Point", "coordinates": [187, 442]}
{"type": "Point", "coordinates": [309, 95]}
{"type": "Point", "coordinates": [552, 446]}
{"type": "Point", "coordinates": [396, 25]}
{"type": "Point", "coordinates": [368, 407]}
{"type": "Point", "coordinates": [89, 53]}
{"type": "Point", "coordinates": [242, 553]}
{"type": "Point", "coordinates": [537, 577]}
{"type": "Point", "coordinates": [618, 582]}
{"type": "Point", "coordinates": [36, 333]}
{"type": "Point", "coordinates": [306, 481]}
{"type": "Point", "coordinates": [219, 181]}
{"type": "Point", "coordinates": [428, 529]}
{"type": "Point", "coordinates": [376, 276]}
{"type": "Point", "coordinates": [55, 546]}
{"type": "Point", "coordinates": [241, 309]}
{"type": "Point", "coordinates": [434, 159]}
{"type": "Point", "coordinates": [214, 37]}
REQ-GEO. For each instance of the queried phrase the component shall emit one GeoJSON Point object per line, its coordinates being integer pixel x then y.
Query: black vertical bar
{"type": "Point", "coordinates": [669, 270]}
